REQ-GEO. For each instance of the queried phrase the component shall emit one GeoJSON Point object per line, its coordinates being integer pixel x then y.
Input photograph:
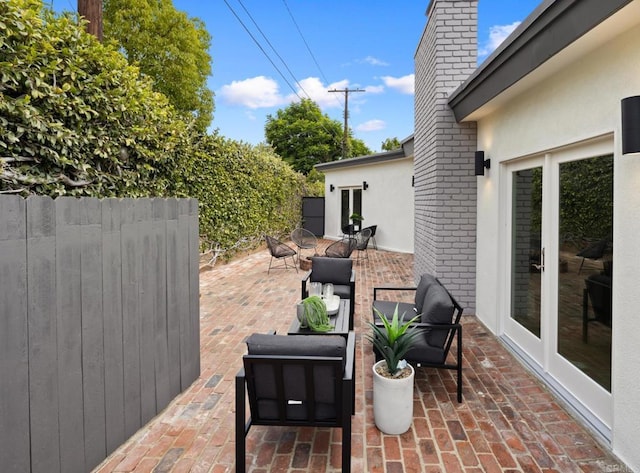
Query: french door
{"type": "Point", "coordinates": [350, 203]}
{"type": "Point", "coordinates": [559, 253]}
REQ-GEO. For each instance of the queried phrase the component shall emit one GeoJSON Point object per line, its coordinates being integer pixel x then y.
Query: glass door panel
{"type": "Point", "coordinates": [585, 263]}
{"type": "Point", "coordinates": [527, 257]}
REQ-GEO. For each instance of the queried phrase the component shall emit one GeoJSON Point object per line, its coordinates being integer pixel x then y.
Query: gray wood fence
{"type": "Point", "coordinates": [99, 324]}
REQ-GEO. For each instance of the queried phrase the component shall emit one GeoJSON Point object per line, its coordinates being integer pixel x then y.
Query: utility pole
{"type": "Point", "coordinates": [345, 136]}
{"type": "Point", "coordinates": [91, 10]}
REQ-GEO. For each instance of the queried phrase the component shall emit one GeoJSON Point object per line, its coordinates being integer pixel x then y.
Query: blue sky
{"type": "Point", "coordinates": [322, 45]}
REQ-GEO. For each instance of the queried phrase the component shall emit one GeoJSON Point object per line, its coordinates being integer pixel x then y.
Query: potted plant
{"type": "Point", "coordinates": [312, 313]}
{"type": "Point", "coordinates": [393, 376]}
{"type": "Point", "coordinates": [357, 219]}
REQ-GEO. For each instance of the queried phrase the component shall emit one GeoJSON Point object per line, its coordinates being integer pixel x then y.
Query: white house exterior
{"type": "Point", "coordinates": [547, 102]}
{"type": "Point", "coordinates": [387, 200]}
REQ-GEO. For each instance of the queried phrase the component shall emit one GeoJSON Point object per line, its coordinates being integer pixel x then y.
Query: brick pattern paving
{"type": "Point", "coordinates": [507, 422]}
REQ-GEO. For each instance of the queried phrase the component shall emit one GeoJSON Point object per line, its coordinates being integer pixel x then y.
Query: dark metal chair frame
{"type": "Point", "coordinates": [600, 294]}
{"type": "Point", "coordinates": [304, 240]}
{"type": "Point", "coordinates": [362, 242]}
{"type": "Point", "coordinates": [341, 248]}
{"type": "Point", "coordinates": [454, 330]}
{"type": "Point", "coordinates": [373, 229]}
{"type": "Point", "coordinates": [342, 370]}
{"type": "Point", "coordinates": [279, 250]}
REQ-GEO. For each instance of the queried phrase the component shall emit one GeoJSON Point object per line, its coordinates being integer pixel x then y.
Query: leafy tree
{"type": "Point", "coordinates": [358, 148]}
{"type": "Point", "coordinates": [303, 136]}
{"type": "Point", "coordinates": [169, 47]}
{"type": "Point", "coordinates": [390, 144]}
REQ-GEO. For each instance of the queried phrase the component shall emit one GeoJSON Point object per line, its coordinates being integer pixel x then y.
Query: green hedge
{"type": "Point", "coordinates": [78, 120]}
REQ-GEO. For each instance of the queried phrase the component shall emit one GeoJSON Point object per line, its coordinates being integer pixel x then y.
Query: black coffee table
{"type": "Point", "coordinates": [340, 322]}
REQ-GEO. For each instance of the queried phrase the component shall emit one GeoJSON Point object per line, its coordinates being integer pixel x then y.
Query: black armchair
{"type": "Point", "coordinates": [598, 291]}
{"type": "Point", "coordinates": [296, 381]}
{"type": "Point", "coordinates": [439, 322]}
{"type": "Point", "coordinates": [362, 242]}
{"type": "Point", "coordinates": [337, 271]}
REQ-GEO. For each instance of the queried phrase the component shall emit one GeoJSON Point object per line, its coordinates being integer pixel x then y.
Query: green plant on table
{"type": "Point", "coordinates": [315, 314]}
{"type": "Point", "coordinates": [393, 339]}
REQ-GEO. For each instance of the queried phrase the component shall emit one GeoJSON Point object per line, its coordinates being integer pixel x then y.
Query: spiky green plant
{"type": "Point", "coordinates": [394, 339]}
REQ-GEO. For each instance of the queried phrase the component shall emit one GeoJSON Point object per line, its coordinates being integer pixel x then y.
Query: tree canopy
{"type": "Point", "coordinates": [169, 47]}
{"type": "Point", "coordinates": [303, 136]}
{"type": "Point", "coordinates": [390, 144]}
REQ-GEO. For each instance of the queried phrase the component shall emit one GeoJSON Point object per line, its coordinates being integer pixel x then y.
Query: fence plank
{"type": "Point", "coordinates": [194, 286]}
{"type": "Point", "coordinates": [147, 250]}
{"type": "Point", "coordinates": [112, 313]}
{"type": "Point", "coordinates": [43, 356]}
{"type": "Point", "coordinates": [92, 331]}
{"type": "Point", "coordinates": [131, 264]}
{"type": "Point", "coordinates": [69, 323]}
{"type": "Point", "coordinates": [161, 349]}
{"type": "Point", "coordinates": [183, 289]}
{"type": "Point", "coordinates": [173, 316]}
{"type": "Point", "coordinates": [14, 399]}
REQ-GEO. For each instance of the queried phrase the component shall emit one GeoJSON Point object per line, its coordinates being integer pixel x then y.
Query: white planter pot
{"type": "Point", "coordinates": [392, 402]}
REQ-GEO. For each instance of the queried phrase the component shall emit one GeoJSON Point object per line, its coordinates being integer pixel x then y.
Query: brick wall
{"type": "Point", "coordinates": [445, 185]}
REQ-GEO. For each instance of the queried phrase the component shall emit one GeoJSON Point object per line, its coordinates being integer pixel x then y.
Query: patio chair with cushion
{"type": "Point", "coordinates": [439, 322]}
{"type": "Point", "coordinates": [304, 240]}
{"type": "Point", "coordinates": [337, 271]}
{"type": "Point", "coordinates": [298, 381]}
{"type": "Point", "coordinates": [341, 248]}
{"type": "Point", "coordinates": [280, 251]}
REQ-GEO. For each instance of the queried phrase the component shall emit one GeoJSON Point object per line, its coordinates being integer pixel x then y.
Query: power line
{"type": "Point", "coordinates": [305, 42]}
{"type": "Point", "coordinates": [273, 49]}
{"type": "Point", "coordinates": [262, 49]}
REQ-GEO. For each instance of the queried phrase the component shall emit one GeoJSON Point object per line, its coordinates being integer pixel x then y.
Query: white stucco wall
{"type": "Point", "coordinates": [579, 103]}
{"type": "Point", "coordinates": [388, 202]}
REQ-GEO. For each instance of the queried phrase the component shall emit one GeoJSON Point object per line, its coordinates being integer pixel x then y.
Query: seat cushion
{"type": "Point", "coordinates": [426, 281]}
{"type": "Point", "coordinates": [342, 290]}
{"type": "Point", "coordinates": [333, 270]}
{"type": "Point", "coordinates": [437, 309]}
{"type": "Point", "coordinates": [388, 307]}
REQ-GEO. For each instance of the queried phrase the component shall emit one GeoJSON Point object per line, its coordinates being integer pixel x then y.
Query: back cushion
{"type": "Point", "coordinates": [294, 374]}
{"type": "Point", "coordinates": [426, 281]}
{"type": "Point", "coordinates": [333, 270]}
{"type": "Point", "coordinates": [437, 309]}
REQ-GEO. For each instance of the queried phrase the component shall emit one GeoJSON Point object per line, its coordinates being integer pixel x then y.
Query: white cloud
{"type": "Point", "coordinates": [374, 89]}
{"type": "Point", "coordinates": [404, 84]}
{"type": "Point", "coordinates": [319, 93]}
{"type": "Point", "coordinates": [373, 61]}
{"type": "Point", "coordinates": [256, 92]}
{"type": "Point", "coordinates": [372, 125]}
{"type": "Point", "coordinates": [497, 34]}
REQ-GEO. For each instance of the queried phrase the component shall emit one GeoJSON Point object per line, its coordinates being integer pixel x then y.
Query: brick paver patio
{"type": "Point", "coordinates": [507, 422]}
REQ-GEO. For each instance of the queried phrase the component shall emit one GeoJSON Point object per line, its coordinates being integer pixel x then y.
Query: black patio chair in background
{"type": "Point", "coordinates": [341, 248]}
{"type": "Point", "coordinates": [594, 251]}
{"type": "Point", "coordinates": [280, 251]}
{"type": "Point", "coordinates": [362, 242]}
{"type": "Point", "coordinates": [304, 240]}
{"type": "Point", "coordinates": [298, 381]}
{"type": "Point", "coordinates": [373, 229]}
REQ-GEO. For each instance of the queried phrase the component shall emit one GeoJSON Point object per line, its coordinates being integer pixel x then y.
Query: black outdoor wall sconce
{"type": "Point", "coordinates": [631, 125]}
{"type": "Point", "coordinates": [481, 163]}
{"type": "Point", "coordinates": [331, 188]}
{"type": "Point", "coordinates": [365, 186]}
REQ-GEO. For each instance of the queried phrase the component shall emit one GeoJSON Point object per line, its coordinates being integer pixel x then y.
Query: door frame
{"type": "Point", "coordinates": [585, 396]}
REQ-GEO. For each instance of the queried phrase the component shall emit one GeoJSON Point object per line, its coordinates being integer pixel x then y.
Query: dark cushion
{"type": "Point", "coordinates": [387, 308]}
{"type": "Point", "coordinates": [426, 281]}
{"type": "Point", "coordinates": [342, 290]}
{"type": "Point", "coordinates": [294, 374]}
{"type": "Point", "coordinates": [333, 270]}
{"type": "Point", "coordinates": [296, 345]}
{"type": "Point", "coordinates": [437, 309]}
